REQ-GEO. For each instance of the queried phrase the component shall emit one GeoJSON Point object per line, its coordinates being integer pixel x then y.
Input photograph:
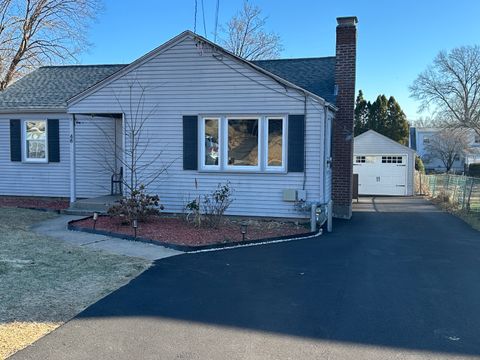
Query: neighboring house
{"type": "Point", "coordinates": [265, 126]}
{"type": "Point", "coordinates": [420, 138]}
{"type": "Point", "coordinates": [384, 166]}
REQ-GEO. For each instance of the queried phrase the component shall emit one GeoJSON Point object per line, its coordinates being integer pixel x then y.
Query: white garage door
{"type": "Point", "coordinates": [381, 174]}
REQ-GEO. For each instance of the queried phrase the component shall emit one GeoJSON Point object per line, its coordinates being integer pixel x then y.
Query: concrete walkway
{"type": "Point", "coordinates": [57, 228]}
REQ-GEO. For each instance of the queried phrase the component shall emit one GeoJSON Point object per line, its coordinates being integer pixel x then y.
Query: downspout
{"type": "Point", "coordinates": [73, 172]}
{"type": "Point", "coordinates": [305, 141]}
{"type": "Point", "coordinates": [326, 163]}
{"type": "Point", "coordinates": [324, 152]}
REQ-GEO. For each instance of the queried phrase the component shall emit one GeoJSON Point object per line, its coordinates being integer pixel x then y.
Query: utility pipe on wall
{"type": "Point", "coordinates": [313, 218]}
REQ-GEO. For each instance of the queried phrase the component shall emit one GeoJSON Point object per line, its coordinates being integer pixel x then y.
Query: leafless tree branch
{"type": "Point", "coordinates": [39, 32]}
{"type": "Point", "coordinates": [245, 35]}
{"type": "Point", "coordinates": [452, 86]}
{"type": "Point", "coordinates": [448, 145]}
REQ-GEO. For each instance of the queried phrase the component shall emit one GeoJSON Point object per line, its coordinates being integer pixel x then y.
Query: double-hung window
{"type": "Point", "coordinates": [243, 143]}
{"type": "Point", "coordinates": [210, 144]}
{"type": "Point", "coordinates": [35, 140]}
{"type": "Point", "coordinates": [275, 140]}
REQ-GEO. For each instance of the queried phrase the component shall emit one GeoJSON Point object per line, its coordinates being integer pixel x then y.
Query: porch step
{"type": "Point", "coordinates": [81, 212]}
{"type": "Point", "coordinates": [89, 206]}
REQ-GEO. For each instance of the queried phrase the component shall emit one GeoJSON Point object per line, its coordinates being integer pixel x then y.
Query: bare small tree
{"type": "Point", "coordinates": [39, 32]}
{"type": "Point", "coordinates": [452, 86]}
{"type": "Point", "coordinates": [140, 157]}
{"type": "Point", "coordinates": [142, 164]}
{"type": "Point", "coordinates": [245, 35]}
{"type": "Point", "coordinates": [424, 122]}
{"type": "Point", "coordinates": [448, 145]}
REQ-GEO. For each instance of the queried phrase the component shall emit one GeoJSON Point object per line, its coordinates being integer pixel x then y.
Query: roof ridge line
{"type": "Point", "coordinates": [81, 65]}
{"type": "Point", "coordinates": [297, 58]}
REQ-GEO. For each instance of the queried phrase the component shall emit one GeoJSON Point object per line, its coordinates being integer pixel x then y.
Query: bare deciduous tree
{"type": "Point", "coordinates": [452, 85]}
{"type": "Point", "coordinates": [423, 122]}
{"type": "Point", "coordinates": [141, 155]}
{"type": "Point", "coordinates": [39, 32]}
{"type": "Point", "coordinates": [448, 145]}
{"type": "Point", "coordinates": [245, 35]}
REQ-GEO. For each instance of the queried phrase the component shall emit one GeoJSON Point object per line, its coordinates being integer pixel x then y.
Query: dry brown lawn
{"type": "Point", "coordinates": [45, 282]}
{"type": "Point", "coordinates": [472, 218]}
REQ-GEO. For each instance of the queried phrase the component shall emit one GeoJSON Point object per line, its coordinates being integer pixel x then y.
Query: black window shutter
{"type": "Point", "coordinates": [296, 143]}
{"type": "Point", "coordinates": [15, 140]}
{"type": "Point", "coordinates": [190, 142]}
{"type": "Point", "coordinates": [53, 133]}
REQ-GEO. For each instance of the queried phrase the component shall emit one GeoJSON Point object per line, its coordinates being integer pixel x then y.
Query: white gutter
{"type": "Point", "coordinates": [32, 110]}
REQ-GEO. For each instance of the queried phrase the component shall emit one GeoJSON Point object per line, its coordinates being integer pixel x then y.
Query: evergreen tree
{"type": "Point", "coordinates": [397, 124]}
{"type": "Point", "coordinates": [378, 115]}
{"type": "Point", "coordinates": [362, 108]}
{"type": "Point", "coordinates": [384, 116]}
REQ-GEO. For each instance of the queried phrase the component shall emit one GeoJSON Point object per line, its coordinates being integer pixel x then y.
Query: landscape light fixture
{"type": "Point", "coordinates": [243, 228]}
{"type": "Point", "coordinates": [135, 226]}
{"type": "Point", "coordinates": [95, 218]}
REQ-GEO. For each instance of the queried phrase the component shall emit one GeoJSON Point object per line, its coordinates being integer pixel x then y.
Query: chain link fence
{"type": "Point", "coordinates": [460, 192]}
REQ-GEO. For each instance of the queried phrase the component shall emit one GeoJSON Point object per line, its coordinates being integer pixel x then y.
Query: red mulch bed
{"type": "Point", "coordinates": [34, 203]}
{"type": "Point", "coordinates": [178, 231]}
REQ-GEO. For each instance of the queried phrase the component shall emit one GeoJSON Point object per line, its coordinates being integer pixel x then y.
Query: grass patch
{"type": "Point", "coordinates": [470, 217]}
{"type": "Point", "coordinates": [46, 282]}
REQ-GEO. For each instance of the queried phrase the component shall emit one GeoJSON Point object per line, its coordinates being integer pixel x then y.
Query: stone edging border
{"type": "Point", "coordinates": [185, 248]}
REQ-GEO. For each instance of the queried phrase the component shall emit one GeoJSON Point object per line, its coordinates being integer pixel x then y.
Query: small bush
{"type": "Point", "coordinates": [216, 203]}
{"type": "Point", "coordinates": [138, 205]}
{"type": "Point", "coordinates": [419, 165]}
{"type": "Point", "coordinates": [474, 170]}
{"type": "Point", "coordinates": [210, 209]}
{"type": "Point", "coordinates": [193, 212]}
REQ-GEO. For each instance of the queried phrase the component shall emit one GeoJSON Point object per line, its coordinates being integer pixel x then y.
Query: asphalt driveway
{"type": "Point", "coordinates": [401, 280]}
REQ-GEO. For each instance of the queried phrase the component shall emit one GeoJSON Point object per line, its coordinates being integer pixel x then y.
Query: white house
{"type": "Point", "coordinates": [207, 116]}
{"type": "Point", "coordinates": [384, 166]}
{"type": "Point", "coordinates": [420, 138]}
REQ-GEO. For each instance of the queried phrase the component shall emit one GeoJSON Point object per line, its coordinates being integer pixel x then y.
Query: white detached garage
{"type": "Point", "coordinates": [384, 167]}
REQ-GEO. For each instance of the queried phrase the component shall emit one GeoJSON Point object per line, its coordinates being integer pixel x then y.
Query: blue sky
{"type": "Point", "coordinates": [396, 39]}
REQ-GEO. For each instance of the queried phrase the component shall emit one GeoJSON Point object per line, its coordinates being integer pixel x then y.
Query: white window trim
{"type": "Point", "coordinates": [24, 143]}
{"type": "Point", "coordinates": [284, 144]}
{"type": "Point", "coordinates": [262, 167]}
{"type": "Point", "coordinates": [203, 166]}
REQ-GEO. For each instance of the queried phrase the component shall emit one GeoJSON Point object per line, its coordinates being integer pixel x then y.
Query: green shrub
{"type": "Point", "coordinates": [474, 170]}
{"type": "Point", "coordinates": [210, 209]}
{"type": "Point", "coordinates": [419, 164]}
{"type": "Point", "coordinates": [138, 205]}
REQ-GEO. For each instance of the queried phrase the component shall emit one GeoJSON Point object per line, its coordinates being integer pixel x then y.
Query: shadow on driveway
{"type": "Point", "coordinates": [399, 279]}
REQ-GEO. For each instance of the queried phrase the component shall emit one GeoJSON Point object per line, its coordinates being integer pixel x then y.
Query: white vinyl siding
{"type": "Point", "coordinates": [34, 178]}
{"type": "Point", "coordinates": [95, 155]}
{"type": "Point", "coordinates": [187, 80]}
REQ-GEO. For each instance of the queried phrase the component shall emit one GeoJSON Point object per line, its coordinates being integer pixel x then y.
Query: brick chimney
{"type": "Point", "coordinates": [342, 150]}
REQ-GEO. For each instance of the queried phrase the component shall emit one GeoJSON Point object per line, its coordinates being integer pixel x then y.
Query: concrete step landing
{"type": "Point", "coordinates": [86, 207]}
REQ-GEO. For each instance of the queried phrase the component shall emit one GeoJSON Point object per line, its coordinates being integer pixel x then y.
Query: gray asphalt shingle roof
{"type": "Point", "coordinates": [50, 87]}
{"type": "Point", "coordinates": [316, 75]}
